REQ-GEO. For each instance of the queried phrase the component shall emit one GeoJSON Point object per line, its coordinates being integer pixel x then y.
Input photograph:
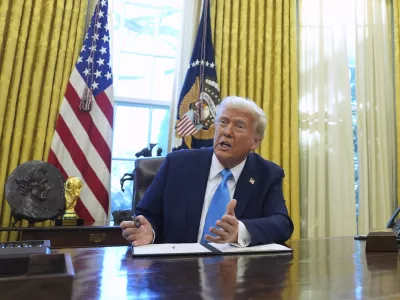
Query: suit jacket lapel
{"type": "Point", "coordinates": [197, 188]}
{"type": "Point", "coordinates": [247, 184]}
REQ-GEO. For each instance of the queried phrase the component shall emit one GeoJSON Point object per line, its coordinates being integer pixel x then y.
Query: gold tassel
{"type": "Point", "coordinates": [198, 109]}
{"type": "Point", "coordinates": [86, 100]}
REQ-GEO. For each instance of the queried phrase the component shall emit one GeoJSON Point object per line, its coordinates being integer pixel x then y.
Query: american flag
{"type": "Point", "coordinates": [82, 140]}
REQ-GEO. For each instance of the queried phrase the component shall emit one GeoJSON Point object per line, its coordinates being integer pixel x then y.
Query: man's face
{"type": "Point", "coordinates": [234, 136]}
{"type": "Point", "coordinates": [41, 189]}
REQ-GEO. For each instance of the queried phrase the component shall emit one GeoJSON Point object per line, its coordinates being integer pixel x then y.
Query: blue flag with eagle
{"type": "Point", "coordinates": [200, 94]}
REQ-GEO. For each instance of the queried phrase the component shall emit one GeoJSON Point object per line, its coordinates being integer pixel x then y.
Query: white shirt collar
{"type": "Point", "coordinates": [216, 168]}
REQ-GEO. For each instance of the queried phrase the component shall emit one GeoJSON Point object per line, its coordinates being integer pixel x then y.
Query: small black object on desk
{"type": "Point", "coordinates": [383, 240]}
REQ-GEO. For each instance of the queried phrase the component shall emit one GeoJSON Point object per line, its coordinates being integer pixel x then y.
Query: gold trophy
{"type": "Point", "coordinates": [73, 187]}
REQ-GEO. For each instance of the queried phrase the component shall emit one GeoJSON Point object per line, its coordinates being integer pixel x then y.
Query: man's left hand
{"type": "Point", "coordinates": [229, 227]}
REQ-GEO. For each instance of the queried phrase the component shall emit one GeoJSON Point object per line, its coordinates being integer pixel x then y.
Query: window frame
{"type": "Point", "coordinates": [151, 102]}
{"type": "Point", "coordinates": [117, 98]}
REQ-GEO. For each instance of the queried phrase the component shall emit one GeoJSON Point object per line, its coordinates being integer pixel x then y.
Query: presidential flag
{"type": "Point", "coordinates": [200, 94]}
{"type": "Point", "coordinates": [82, 140]}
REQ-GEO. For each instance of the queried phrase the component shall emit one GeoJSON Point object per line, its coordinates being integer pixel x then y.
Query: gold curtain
{"type": "Point", "coordinates": [396, 60]}
{"type": "Point", "coordinates": [39, 44]}
{"type": "Point", "coordinates": [256, 57]}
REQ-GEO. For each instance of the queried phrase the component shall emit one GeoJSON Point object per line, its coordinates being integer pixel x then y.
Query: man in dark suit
{"type": "Point", "coordinates": [224, 194]}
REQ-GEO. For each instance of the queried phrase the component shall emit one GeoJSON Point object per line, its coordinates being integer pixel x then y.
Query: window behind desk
{"type": "Point", "coordinates": [145, 35]}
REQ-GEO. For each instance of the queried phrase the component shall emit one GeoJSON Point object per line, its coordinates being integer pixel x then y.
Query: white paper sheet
{"type": "Point", "coordinates": [261, 248]}
{"type": "Point", "coordinates": [169, 249]}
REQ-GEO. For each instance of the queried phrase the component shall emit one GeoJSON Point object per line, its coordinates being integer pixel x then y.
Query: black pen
{"type": "Point", "coordinates": [133, 218]}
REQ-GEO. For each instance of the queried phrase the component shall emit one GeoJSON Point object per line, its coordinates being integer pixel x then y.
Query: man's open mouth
{"type": "Point", "coordinates": [225, 145]}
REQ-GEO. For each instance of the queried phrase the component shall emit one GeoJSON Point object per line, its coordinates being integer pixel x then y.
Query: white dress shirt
{"type": "Point", "coordinates": [214, 179]}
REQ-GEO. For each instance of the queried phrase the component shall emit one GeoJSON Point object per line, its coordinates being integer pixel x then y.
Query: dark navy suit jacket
{"type": "Point", "coordinates": [174, 201]}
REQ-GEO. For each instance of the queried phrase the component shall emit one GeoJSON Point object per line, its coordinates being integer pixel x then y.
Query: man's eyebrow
{"type": "Point", "coordinates": [241, 120]}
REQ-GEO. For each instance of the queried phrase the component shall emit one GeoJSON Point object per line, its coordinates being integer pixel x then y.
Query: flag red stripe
{"type": "Point", "coordinates": [184, 119]}
{"type": "Point", "coordinates": [80, 207]}
{"type": "Point", "coordinates": [87, 123]}
{"type": "Point", "coordinates": [187, 126]}
{"type": "Point", "coordinates": [106, 107]}
{"type": "Point", "coordinates": [181, 130]}
{"type": "Point", "coordinates": [79, 158]}
{"type": "Point", "coordinates": [189, 129]}
{"type": "Point", "coordinates": [186, 131]}
{"type": "Point", "coordinates": [83, 213]}
{"type": "Point", "coordinates": [183, 124]}
{"type": "Point", "coordinates": [52, 159]}
{"type": "Point", "coordinates": [192, 131]}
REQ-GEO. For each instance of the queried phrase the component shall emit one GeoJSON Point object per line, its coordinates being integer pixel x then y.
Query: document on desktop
{"type": "Point", "coordinates": [170, 249]}
{"type": "Point", "coordinates": [208, 249]}
{"type": "Point", "coordinates": [229, 248]}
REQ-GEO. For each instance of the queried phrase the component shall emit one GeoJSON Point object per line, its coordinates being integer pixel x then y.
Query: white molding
{"type": "Point", "coordinates": [128, 100]}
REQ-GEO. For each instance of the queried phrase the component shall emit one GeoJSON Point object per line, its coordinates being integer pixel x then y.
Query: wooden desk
{"type": "Point", "coordinates": [73, 236]}
{"type": "Point", "coordinates": [336, 268]}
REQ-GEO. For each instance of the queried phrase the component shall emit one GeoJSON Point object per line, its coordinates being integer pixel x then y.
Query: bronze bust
{"type": "Point", "coordinates": [35, 192]}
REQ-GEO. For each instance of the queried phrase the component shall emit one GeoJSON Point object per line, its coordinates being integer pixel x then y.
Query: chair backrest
{"type": "Point", "coordinates": [146, 169]}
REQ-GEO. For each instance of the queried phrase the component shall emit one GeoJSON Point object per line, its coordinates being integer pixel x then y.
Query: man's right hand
{"type": "Point", "coordinates": [138, 236]}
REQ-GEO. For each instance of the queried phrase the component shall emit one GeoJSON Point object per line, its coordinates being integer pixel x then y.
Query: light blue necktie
{"type": "Point", "coordinates": [218, 204]}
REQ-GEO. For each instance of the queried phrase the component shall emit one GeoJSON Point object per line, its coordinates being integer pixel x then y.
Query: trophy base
{"type": "Point", "coordinates": [70, 222]}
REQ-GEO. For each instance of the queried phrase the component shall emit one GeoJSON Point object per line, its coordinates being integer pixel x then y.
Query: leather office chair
{"type": "Point", "coordinates": [146, 169]}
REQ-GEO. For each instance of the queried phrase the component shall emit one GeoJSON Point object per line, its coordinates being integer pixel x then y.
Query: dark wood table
{"type": "Point", "coordinates": [336, 268]}
{"type": "Point", "coordinates": [72, 236]}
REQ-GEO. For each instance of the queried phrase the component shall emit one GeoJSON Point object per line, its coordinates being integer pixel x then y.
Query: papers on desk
{"type": "Point", "coordinates": [228, 248]}
{"type": "Point", "coordinates": [208, 249]}
{"type": "Point", "coordinates": [169, 249]}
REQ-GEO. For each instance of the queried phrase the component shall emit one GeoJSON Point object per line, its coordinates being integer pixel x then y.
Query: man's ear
{"type": "Point", "coordinates": [256, 143]}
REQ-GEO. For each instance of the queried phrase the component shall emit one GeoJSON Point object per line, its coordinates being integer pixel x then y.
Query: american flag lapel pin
{"type": "Point", "coordinates": [251, 180]}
